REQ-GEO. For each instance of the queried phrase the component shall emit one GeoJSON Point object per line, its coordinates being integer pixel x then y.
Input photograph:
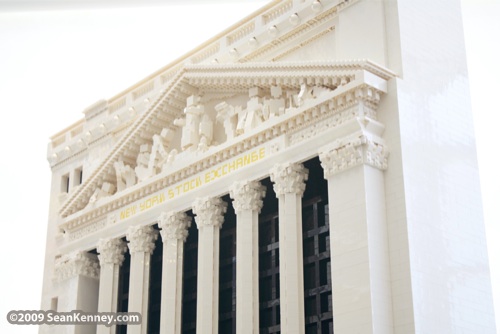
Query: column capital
{"type": "Point", "coordinates": [75, 264]}
{"type": "Point", "coordinates": [247, 195]}
{"type": "Point", "coordinates": [111, 251]}
{"type": "Point", "coordinates": [289, 178]}
{"type": "Point", "coordinates": [174, 225]}
{"type": "Point", "coordinates": [209, 211]}
{"type": "Point", "coordinates": [353, 151]}
{"type": "Point", "coordinates": [141, 239]}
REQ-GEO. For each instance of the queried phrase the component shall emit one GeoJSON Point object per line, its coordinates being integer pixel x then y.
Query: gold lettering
{"type": "Point", "coordinates": [128, 212]}
{"type": "Point", "coordinates": [247, 160]}
{"type": "Point", "coordinates": [262, 153]}
{"type": "Point", "coordinates": [255, 157]}
{"type": "Point", "coordinates": [171, 194]}
{"type": "Point", "coordinates": [216, 173]}
{"type": "Point", "coordinates": [231, 166]}
{"type": "Point", "coordinates": [239, 163]}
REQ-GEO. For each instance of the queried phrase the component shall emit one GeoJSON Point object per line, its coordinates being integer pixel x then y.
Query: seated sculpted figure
{"type": "Point", "coordinates": [141, 170]}
{"type": "Point", "coordinates": [159, 151]}
{"type": "Point", "coordinates": [107, 189]}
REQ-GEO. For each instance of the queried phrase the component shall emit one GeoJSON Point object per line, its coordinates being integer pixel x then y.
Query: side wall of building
{"type": "Point", "coordinates": [450, 281]}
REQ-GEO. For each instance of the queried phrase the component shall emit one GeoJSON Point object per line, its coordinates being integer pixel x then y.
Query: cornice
{"type": "Point", "coordinates": [221, 49]}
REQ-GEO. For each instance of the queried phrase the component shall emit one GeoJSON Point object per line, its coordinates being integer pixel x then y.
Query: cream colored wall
{"type": "Point", "coordinates": [438, 250]}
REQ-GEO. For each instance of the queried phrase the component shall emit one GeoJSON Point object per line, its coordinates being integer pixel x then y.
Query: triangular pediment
{"type": "Point", "coordinates": [289, 87]}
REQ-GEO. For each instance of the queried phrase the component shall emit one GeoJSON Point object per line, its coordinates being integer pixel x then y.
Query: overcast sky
{"type": "Point", "coordinates": [59, 57]}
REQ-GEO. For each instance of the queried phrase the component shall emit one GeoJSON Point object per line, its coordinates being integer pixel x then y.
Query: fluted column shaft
{"type": "Point", "coordinates": [247, 202]}
{"type": "Point", "coordinates": [209, 219]}
{"type": "Point", "coordinates": [289, 185]}
{"type": "Point", "coordinates": [141, 245]}
{"type": "Point", "coordinates": [110, 259]}
{"type": "Point", "coordinates": [173, 232]}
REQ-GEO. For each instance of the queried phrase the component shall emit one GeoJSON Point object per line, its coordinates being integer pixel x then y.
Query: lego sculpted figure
{"type": "Point", "coordinates": [254, 114]}
{"type": "Point", "coordinates": [226, 115]}
{"type": "Point", "coordinates": [275, 106]}
{"type": "Point", "coordinates": [191, 124]}
{"type": "Point", "coordinates": [206, 133]}
{"type": "Point", "coordinates": [125, 176]}
{"type": "Point", "coordinates": [159, 152]}
{"type": "Point", "coordinates": [141, 170]}
{"type": "Point", "coordinates": [107, 189]}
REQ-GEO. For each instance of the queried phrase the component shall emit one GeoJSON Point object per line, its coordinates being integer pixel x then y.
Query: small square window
{"type": "Point", "coordinates": [78, 177]}
{"type": "Point", "coordinates": [65, 183]}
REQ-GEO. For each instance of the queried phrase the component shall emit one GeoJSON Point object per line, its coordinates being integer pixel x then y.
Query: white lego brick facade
{"type": "Point", "coordinates": [377, 89]}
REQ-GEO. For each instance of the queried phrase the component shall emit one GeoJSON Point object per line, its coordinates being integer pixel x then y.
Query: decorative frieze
{"type": "Point", "coordinates": [141, 239]}
{"type": "Point", "coordinates": [111, 251]}
{"type": "Point", "coordinates": [209, 211]}
{"type": "Point", "coordinates": [289, 178]}
{"type": "Point", "coordinates": [74, 264]}
{"type": "Point", "coordinates": [353, 151]}
{"type": "Point", "coordinates": [331, 120]}
{"type": "Point", "coordinates": [174, 225]}
{"type": "Point", "coordinates": [80, 232]}
{"type": "Point", "coordinates": [247, 195]}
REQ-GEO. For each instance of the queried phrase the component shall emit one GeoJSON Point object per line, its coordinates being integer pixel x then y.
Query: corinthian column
{"type": "Point", "coordinates": [110, 258]}
{"type": "Point", "coordinates": [289, 185]}
{"type": "Point", "coordinates": [209, 219]}
{"type": "Point", "coordinates": [173, 232]}
{"type": "Point", "coordinates": [361, 289]}
{"type": "Point", "coordinates": [141, 245]}
{"type": "Point", "coordinates": [77, 274]}
{"type": "Point", "coordinates": [247, 202]}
